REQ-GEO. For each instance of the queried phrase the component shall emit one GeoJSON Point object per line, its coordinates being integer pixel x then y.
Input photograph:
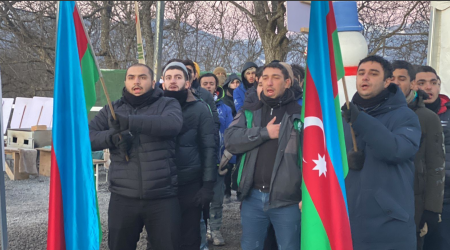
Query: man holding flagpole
{"type": "Point", "coordinates": [380, 183]}
{"type": "Point", "coordinates": [143, 188]}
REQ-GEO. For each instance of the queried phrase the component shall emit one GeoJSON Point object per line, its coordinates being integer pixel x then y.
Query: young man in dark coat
{"type": "Point", "coordinates": [210, 82]}
{"type": "Point", "coordinates": [270, 182]}
{"type": "Point", "coordinates": [380, 182]}
{"type": "Point", "coordinates": [142, 175]}
{"type": "Point", "coordinates": [428, 81]}
{"type": "Point", "coordinates": [196, 154]}
{"type": "Point", "coordinates": [430, 159]}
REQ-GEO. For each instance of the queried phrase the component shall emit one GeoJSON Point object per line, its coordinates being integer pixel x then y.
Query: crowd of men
{"type": "Point", "coordinates": [178, 147]}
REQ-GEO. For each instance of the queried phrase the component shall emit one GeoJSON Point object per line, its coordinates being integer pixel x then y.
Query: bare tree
{"type": "Point", "coordinates": [395, 29]}
{"type": "Point", "coordinates": [269, 19]}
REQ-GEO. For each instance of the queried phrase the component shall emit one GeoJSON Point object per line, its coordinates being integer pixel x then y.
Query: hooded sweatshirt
{"type": "Point", "coordinates": [227, 99]}
{"type": "Point", "coordinates": [239, 92]}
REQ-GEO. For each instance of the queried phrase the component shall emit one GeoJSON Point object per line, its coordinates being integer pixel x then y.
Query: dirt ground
{"type": "Point", "coordinates": [27, 215]}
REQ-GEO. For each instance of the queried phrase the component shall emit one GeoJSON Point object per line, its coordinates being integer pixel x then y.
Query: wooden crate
{"type": "Point", "coordinates": [45, 161]}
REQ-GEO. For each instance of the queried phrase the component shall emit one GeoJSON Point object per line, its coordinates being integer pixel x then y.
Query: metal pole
{"type": "Point", "coordinates": [4, 234]}
{"type": "Point", "coordinates": [157, 55]}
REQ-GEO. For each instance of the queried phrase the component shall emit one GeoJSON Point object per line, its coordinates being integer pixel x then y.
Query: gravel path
{"type": "Point", "coordinates": [27, 215]}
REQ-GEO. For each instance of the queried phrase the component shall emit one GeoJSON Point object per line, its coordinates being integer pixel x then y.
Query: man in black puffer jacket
{"type": "Point", "coordinates": [196, 154]}
{"type": "Point", "coordinates": [142, 175]}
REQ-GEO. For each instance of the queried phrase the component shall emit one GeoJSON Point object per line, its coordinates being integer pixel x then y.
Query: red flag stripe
{"type": "Point", "coordinates": [331, 27]}
{"type": "Point", "coordinates": [324, 190]}
{"type": "Point", "coordinates": [55, 237]}
{"type": "Point", "coordinates": [82, 41]}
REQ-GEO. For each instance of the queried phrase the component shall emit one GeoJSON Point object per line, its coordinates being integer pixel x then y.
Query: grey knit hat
{"type": "Point", "coordinates": [176, 64]}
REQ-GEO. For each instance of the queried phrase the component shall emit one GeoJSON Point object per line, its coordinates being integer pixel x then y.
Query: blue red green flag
{"type": "Point", "coordinates": [325, 217]}
{"type": "Point", "coordinates": [73, 213]}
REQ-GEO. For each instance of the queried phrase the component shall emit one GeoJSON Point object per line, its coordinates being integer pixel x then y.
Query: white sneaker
{"type": "Point", "coordinates": [217, 238]}
{"type": "Point", "coordinates": [208, 234]}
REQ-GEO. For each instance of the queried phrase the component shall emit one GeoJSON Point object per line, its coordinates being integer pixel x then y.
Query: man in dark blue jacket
{"type": "Point", "coordinates": [380, 182]}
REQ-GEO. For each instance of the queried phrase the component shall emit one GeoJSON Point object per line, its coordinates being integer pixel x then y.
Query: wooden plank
{"type": "Point", "coordinates": [45, 162]}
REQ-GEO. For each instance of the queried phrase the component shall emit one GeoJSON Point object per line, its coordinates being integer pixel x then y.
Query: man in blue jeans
{"type": "Point", "coordinates": [266, 135]}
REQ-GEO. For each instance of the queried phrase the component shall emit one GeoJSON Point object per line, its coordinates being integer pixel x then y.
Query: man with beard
{"type": "Point", "coordinates": [380, 181]}
{"type": "Point", "coordinates": [248, 79]}
{"type": "Point", "coordinates": [195, 154]}
{"type": "Point", "coordinates": [430, 159]}
{"type": "Point", "coordinates": [428, 81]}
{"type": "Point", "coordinates": [221, 74]}
{"type": "Point", "coordinates": [270, 178]}
{"type": "Point", "coordinates": [142, 175]}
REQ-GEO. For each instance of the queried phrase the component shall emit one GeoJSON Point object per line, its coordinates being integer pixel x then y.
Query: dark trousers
{"type": "Point", "coordinates": [227, 180]}
{"type": "Point", "coordinates": [127, 217]}
{"type": "Point", "coordinates": [439, 239]}
{"type": "Point", "coordinates": [190, 217]}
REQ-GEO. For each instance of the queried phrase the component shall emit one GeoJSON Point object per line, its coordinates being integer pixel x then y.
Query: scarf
{"type": "Point", "coordinates": [181, 95]}
{"type": "Point", "coordinates": [372, 102]}
{"type": "Point", "coordinates": [136, 101]}
{"type": "Point", "coordinates": [435, 106]}
{"type": "Point", "coordinates": [287, 97]}
{"type": "Point", "coordinates": [411, 96]}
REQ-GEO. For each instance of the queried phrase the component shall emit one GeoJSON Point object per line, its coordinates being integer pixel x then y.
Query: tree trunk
{"type": "Point", "coordinates": [147, 32]}
{"type": "Point", "coordinates": [104, 39]}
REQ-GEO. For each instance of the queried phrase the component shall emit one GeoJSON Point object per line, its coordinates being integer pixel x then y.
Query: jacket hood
{"type": "Point", "coordinates": [298, 91]}
{"type": "Point", "coordinates": [229, 79]}
{"type": "Point", "coordinates": [395, 100]}
{"type": "Point", "coordinates": [247, 65]}
{"type": "Point", "coordinates": [445, 104]}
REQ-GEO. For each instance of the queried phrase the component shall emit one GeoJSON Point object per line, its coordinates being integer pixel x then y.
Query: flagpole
{"type": "Point", "coordinates": [3, 223]}
{"type": "Point", "coordinates": [140, 47]}
{"type": "Point", "coordinates": [355, 146]}
{"type": "Point", "coordinates": [99, 72]}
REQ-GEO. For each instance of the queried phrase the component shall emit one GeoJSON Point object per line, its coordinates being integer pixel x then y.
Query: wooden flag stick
{"type": "Point", "coordinates": [113, 114]}
{"type": "Point", "coordinates": [355, 146]}
{"type": "Point", "coordinates": [140, 47]}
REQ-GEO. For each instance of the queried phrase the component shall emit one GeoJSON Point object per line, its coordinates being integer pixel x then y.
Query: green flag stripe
{"type": "Point", "coordinates": [90, 77]}
{"type": "Point", "coordinates": [341, 135]}
{"type": "Point", "coordinates": [340, 72]}
{"type": "Point", "coordinates": [313, 236]}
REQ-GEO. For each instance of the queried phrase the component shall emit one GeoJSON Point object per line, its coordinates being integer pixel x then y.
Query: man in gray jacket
{"type": "Point", "coordinates": [142, 175]}
{"type": "Point", "coordinates": [266, 135]}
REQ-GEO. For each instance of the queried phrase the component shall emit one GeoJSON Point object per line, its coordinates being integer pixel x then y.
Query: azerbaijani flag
{"type": "Point", "coordinates": [325, 221]}
{"type": "Point", "coordinates": [73, 221]}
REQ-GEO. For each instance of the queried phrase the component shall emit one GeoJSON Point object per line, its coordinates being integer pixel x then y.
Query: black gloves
{"type": "Point", "coordinates": [123, 144]}
{"type": "Point", "coordinates": [119, 124]}
{"type": "Point", "coordinates": [355, 160]}
{"type": "Point", "coordinates": [351, 114]}
{"type": "Point", "coordinates": [205, 195]}
{"type": "Point", "coordinates": [431, 218]}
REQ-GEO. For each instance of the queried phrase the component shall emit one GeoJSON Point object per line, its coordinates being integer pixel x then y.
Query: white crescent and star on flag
{"type": "Point", "coordinates": [321, 163]}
